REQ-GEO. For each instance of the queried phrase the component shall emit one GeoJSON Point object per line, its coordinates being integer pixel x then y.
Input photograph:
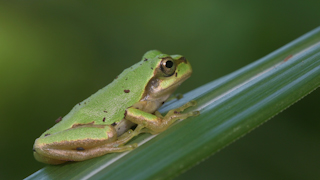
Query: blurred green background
{"type": "Point", "coordinates": [55, 54]}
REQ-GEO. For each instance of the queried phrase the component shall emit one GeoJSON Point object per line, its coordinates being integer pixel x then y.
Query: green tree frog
{"type": "Point", "coordinates": [103, 122]}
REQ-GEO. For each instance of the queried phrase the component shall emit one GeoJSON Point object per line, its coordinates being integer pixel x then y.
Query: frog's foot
{"type": "Point", "coordinates": [127, 136]}
{"type": "Point", "coordinates": [157, 123]}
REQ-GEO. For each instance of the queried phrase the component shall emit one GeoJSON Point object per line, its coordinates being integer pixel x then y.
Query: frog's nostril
{"type": "Point", "coordinates": [34, 150]}
{"type": "Point", "coordinates": [183, 59]}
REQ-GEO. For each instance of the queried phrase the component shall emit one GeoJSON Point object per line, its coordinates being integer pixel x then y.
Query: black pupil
{"type": "Point", "coordinates": [169, 64]}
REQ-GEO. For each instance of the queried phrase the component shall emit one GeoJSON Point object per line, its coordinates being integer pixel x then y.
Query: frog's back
{"type": "Point", "coordinates": [109, 103]}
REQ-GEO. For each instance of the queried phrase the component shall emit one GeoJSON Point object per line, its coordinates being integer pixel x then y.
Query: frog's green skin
{"type": "Point", "coordinates": [101, 123]}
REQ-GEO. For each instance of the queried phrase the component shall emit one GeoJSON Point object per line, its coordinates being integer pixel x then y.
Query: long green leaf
{"type": "Point", "coordinates": [230, 107]}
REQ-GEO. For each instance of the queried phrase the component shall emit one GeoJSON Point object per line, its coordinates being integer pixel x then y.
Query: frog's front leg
{"type": "Point", "coordinates": [96, 140]}
{"type": "Point", "coordinates": [156, 123]}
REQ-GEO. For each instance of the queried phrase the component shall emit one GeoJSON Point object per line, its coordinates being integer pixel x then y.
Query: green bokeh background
{"type": "Point", "coordinates": [54, 54]}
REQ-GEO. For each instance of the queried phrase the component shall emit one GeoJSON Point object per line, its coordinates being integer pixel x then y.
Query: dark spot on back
{"type": "Point", "coordinates": [80, 148]}
{"type": "Point", "coordinates": [152, 68]}
{"type": "Point", "coordinates": [176, 74]}
{"type": "Point", "coordinates": [113, 124]}
{"type": "Point", "coordinates": [58, 120]}
{"type": "Point", "coordinates": [105, 111]}
{"type": "Point", "coordinates": [46, 134]}
{"type": "Point", "coordinates": [145, 59]}
{"type": "Point", "coordinates": [126, 90]}
{"type": "Point", "coordinates": [104, 119]}
{"type": "Point", "coordinates": [125, 113]}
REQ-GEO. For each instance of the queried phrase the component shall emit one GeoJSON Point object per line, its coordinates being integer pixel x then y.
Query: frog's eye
{"type": "Point", "coordinates": [168, 67]}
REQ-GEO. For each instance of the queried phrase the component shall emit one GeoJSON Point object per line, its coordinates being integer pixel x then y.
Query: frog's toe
{"type": "Point", "coordinates": [195, 113]}
{"type": "Point", "coordinates": [134, 145]}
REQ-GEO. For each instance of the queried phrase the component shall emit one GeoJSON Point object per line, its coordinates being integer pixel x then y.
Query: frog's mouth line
{"type": "Point", "coordinates": [173, 86]}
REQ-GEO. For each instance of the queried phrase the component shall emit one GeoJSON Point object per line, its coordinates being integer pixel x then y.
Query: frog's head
{"type": "Point", "coordinates": [169, 72]}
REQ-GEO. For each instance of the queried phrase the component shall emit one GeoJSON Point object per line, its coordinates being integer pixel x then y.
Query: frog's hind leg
{"type": "Point", "coordinates": [88, 147]}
